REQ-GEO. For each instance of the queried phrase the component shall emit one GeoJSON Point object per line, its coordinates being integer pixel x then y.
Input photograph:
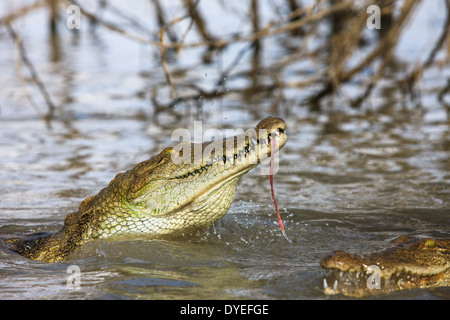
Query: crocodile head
{"type": "Point", "coordinates": [187, 186]}
{"type": "Point", "coordinates": [412, 262]}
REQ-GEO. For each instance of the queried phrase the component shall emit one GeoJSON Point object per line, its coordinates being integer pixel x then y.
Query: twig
{"type": "Point", "coordinates": [384, 47]}
{"type": "Point", "coordinates": [33, 72]}
{"type": "Point", "coordinates": [164, 65]}
{"type": "Point", "coordinates": [441, 39]}
{"type": "Point", "coordinates": [113, 27]}
{"type": "Point", "coordinates": [53, 6]}
{"type": "Point", "coordinates": [417, 73]}
{"type": "Point", "coordinates": [9, 18]}
{"type": "Point", "coordinates": [213, 42]}
{"type": "Point", "coordinates": [193, 12]}
{"type": "Point", "coordinates": [386, 42]}
{"type": "Point", "coordinates": [256, 43]}
{"type": "Point", "coordinates": [162, 20]}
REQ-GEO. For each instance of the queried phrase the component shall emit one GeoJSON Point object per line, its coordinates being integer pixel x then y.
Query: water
{"type": "Point", "coordinates": [349, 179]}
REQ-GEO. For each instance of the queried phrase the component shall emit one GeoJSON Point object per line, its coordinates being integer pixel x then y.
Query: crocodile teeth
{"type": "Point", "coordinates": [265, 141]}
{"type": "Point", "coordinates": [325, 284]}
{"type": "Point", "coordinates": [335, 285]}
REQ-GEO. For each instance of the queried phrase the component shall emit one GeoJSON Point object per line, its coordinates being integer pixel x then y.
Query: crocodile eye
{"type": "Point", "coordinates": [430, 243]}
{"type": "Point", "coordinates": [168, 153]}
{"type": "Point", "coordinates": [280, 130]}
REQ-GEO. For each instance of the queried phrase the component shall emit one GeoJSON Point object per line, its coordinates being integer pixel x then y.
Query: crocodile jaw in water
{"type": "Point", "coordinates": [169, 194]}
{"type": "Point", "coordinates": [412, 263]}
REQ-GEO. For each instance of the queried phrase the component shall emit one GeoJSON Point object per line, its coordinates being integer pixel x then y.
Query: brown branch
{"type": "Point", "coordinates": [33, 72]}
{"type": "Point", "coordinates": [417, 73]}
{"type": "Point", "coordinates": [160, 16]}
{"type": "Point", "coordinates": [113, 27]}
{"type": "Point", "coordinates": [384, 49]}
{"type": "Point", "coordinates": [9, 18]}
{"type": "Point", "coordinates": [164, 65]}
{"type": "Point", "coordinates": [441, 39]}
{"type": "Point", "coordinates": [213, 42]}
{"type": "Point", "coordinates": [386, 43]}
{"type": "Point", "coordinates": [199, 21]}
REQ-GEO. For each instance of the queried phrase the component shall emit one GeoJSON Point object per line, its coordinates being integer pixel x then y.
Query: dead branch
{"type": "Point", "coordinates": [9, 18]}
{"type": "Point", "coordinates": [34, 75]}
{"type": "Point", "coordinates": [332, 55]}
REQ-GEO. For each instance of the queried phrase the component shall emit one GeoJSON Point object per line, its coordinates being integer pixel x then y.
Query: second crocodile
{"type": "Point", "coordinates": [413, 262]}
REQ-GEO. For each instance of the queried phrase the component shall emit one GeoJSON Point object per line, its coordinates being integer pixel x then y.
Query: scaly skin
{"type": "Point", "coordinates": [413, 262]}
{"type": "Point", "coordinates": [170, 193]}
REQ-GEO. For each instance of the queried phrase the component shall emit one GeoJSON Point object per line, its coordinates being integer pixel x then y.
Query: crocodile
{"type": "Point", "coordinates": [413, 262]}
{"type": "Point", "coordinates": [185, 187]}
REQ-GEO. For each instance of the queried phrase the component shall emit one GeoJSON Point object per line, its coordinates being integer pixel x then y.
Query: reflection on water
{"type": "Point", "coordinates": [350, 179]}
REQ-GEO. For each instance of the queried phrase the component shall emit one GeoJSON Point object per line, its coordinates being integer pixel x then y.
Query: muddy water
{"type": "Point", "coordinates": [348, 179]}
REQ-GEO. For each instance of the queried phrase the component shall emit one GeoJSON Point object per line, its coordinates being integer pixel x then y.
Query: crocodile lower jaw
{"type": "Point", "coordinates": [364, 283]}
